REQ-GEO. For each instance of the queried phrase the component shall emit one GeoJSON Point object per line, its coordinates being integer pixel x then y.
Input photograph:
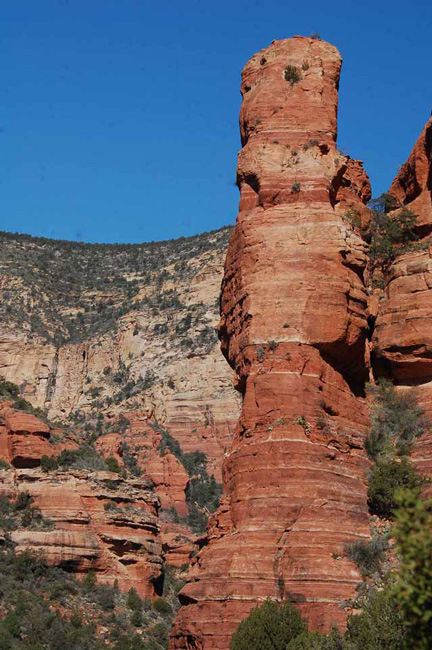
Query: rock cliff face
{"type": "Point", "coordinates": [294, 328]}
{"type": "Point", "coordinates": [94, 334]}
{"type": "Point", "coordinates": [103, 499]}
{"type": "Point", "coordinates": [402, 341]}
{"type": "Point", "coordinates": [94, 519]}
{"type": "Point", "coordinates": [110, 329]}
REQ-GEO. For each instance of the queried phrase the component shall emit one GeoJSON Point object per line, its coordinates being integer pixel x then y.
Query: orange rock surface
{"type": "Point", "coordinates": [402, 341]}
{"type": "Point", "coordinates": [403, 336]}
{"type": "Point", "coordinates": [293, 327]}
{"type": "Point", "coordinates": [413, 183]}
{"type": "Point", "coordinates": [23, 438]}
{"type": "Point", "coordinates": [99, 521]}
{"type": "Point", "coordinates": [168, 475]}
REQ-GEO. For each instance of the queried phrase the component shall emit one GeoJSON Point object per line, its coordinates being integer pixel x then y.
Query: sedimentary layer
{"type": "Point", "coordinates": [293, 327]}
{"type": "Point", "coordinates": [402, 340]}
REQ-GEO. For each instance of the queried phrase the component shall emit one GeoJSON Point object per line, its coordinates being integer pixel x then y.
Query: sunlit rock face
{"type": "Point", "coordinates": [95, 520]}
{"type": "Point", "coordinates": [293, 327]}
{"type": "Point", "coordinates": [402, 341]}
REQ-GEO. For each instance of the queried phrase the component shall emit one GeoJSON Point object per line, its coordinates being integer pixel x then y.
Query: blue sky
{"type": "Point", "coordinates": [119, 119]}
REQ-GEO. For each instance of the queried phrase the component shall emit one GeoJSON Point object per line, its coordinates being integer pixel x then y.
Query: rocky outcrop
{"type": "Point", "coordinates": [24, 439]}
{"type": "Point", "coordinates": [402, 336]}
{"type": "Point", "coordinates": [142, 443]}
{"type": "Point", "coordinates": [402, 341]}
{"type": "Point", "coordinates": [122, 528]}
{"type": "Point", "coordinates": [96, 520]}
{"type": "Point", "coordinates": [413, 184]}
{"type": "Point", "coordinates": [293, 327]}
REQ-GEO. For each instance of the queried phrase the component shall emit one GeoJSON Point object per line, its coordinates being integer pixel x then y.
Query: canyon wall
{"type": "Point", "coordinates": [92, 519]}
{"type": "Point", "coordinates": [402, 341]}
{"type": "Point", "coordinates": [294, 328]}
{"type": "Point", "coordinates": [152, 347]}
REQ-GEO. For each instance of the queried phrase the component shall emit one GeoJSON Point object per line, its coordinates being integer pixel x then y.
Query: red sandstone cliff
{"type": "Point", "coordinates": [293, 327]}
{"type": "Point", "coordinates": [117, 526]}
{"type": "Point", "coordinates": [402, 342]}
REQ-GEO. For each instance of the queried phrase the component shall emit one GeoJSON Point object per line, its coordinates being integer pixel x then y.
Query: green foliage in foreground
{"type": "Point", "coordinates": [280, 627]}
{"type": "Point", "coordinates": [46, 608]}
{"type": "Point", "coordinates": [31, 595]}
{"type": "Point", "coordinates": [414, 585]}
{"type": "Point", "coordinates": [270, 626]}
{"type": "Point", "coordinates": [386, 479]}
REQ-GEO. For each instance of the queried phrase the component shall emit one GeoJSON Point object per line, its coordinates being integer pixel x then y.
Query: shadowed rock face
{"type": "Point", "coordinates": [293, 326]}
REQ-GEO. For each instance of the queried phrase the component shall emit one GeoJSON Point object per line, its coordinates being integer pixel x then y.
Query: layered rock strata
{"type": "Point", "coordinates": [402, 341]}
{"type": "Point", "coordinates": [122, 528]}
{"type": "Point", "coordinates": [164, 346]}
{"type": "Point", "coordinates": [96, 521]}
{"type": "Point", "coordinates": [293, 327]}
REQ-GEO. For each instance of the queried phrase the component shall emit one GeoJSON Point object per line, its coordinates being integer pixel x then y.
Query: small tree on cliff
{"type": "Point", "coordinates": [270, 626]}
{"type": "Point", "coordinates": [389, 234]}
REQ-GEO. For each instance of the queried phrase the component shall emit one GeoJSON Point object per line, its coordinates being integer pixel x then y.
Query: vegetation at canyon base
{"type": "Point", "coordinates": [47, 608]}
{"type": "Point", "coordinates": [396, 606]}
{"type": "Point", "coordinates": [398, 617]}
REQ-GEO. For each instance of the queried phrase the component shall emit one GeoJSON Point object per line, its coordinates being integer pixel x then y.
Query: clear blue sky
{"type": "Point", "coordinates": [119, 118]}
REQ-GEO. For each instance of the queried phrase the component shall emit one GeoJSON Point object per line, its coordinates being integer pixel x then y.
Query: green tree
{"type": "Point", "coordinates": [270, 626]}
{"type": "Point", "coordinates": [389, 234]}
{"type": "Point", "coordinates": [414, 584]}
{"type": "Point", "coordinates": [396, 420]}
{"type": "Point", "coordinates": [133, 601]}
{"type": "Point", "coordinates": [307, 641]}
{"type": "Point", "coordinates": [387, 477]}
{"type": "Point", "coordinates": [379, 626]}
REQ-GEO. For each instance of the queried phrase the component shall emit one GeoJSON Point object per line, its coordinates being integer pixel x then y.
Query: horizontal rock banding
{"type": "Point", "coordinates": [293, 326]}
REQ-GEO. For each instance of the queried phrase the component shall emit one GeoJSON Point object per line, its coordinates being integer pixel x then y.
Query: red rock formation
{"type": "Point", "coordinates": [100, 522]}
{"type": "Point", "coordinates": [23, 438]}
{"type": "Point", "coordinates": [403, 337]}
{"type": "Point", "coordinates": [178, 543]}
{"type": "Point", "coordinates": [402, 342]}
{"type": "Point", "coordinates": [293, 327]}
{"type": "Point", "coordinates": [168, 475]}
{"type": "Point", "coordinates": [211, 437]}
{"type": "Point", "coordinates": [169, 479]}
{"type": "Point", "coordinates": [413, 183]}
